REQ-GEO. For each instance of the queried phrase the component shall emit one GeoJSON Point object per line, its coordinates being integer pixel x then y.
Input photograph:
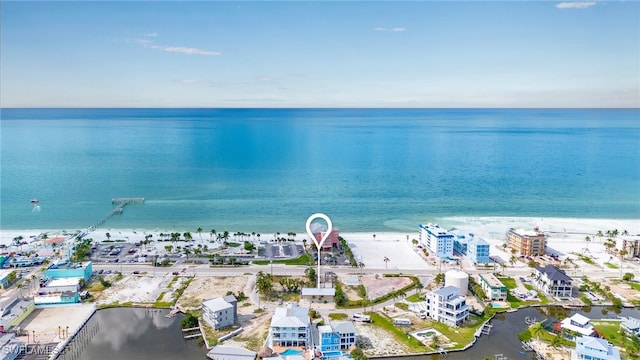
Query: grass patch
{"type": "Point", "coordinates": [233, 244]}
{"type": "Point", "coordinates": [300, 260]}
{"type": "Point", "coordinates": [462, 335]}
{"type": "Point", "coordinates": [611, 332]}
{"type": "Point", "coordinates": [633, 285]}
{"type": "Point", "coordinates": [611, 266]}
{"type": "Point", "coordinates": [414, 298]}
{"type": "Point", "coordinates": [385, 323]}
{"type": "Point", "coordinates": [510, 283]}
{"type": "Point", "coordinates": [338, 316]}
{"type": "Point", "coordinates": [402, 306]}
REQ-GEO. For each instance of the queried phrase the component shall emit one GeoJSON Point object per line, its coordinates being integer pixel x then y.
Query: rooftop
{"type": "Point", "coordinates": [290, 316]}
{"type": "Point", "coordinates": [318, 292]}
{"type": "Point", "coordinates": [492, 280]}
{"type": "Point", "coordinates": [65, 265]}
{"type": "Point", "coordinates": [523, 232]}
{"type": "Point", "coordinates": [447, 291]}
{"type": "Point", "coordinates": [553, 273]}
{"type": "Point", "coordinates": [229, 352]}
{"type": "Point", "coordinates": [63, 282]}
{"type": "Point", "coordinates": [217, 304]}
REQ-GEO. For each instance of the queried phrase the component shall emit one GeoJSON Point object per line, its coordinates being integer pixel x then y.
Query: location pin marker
{"type": "Point", "coordinates": [324, 237]}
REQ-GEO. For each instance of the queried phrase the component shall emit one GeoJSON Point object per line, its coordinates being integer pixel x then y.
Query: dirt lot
{"type": "Point", "coordinates": [134, 288]}
{"type": "Point", "coordinates": [207, 287]}
{"type": "Point", "coordinates": [383, 285]}
{"type": "Point", "coordinates": [376, 341]}
{"type": "Point", "coordinates": [50, 324]}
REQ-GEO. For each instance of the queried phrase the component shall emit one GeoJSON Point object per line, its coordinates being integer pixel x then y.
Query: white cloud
{"type": "Point", "coordinates": [395, 29]}
{"type": "Point", "coordinates": [151, 34]}
{"type": "Point", "coordinates": [186, 50]}
{"type": "Point", "coordinates": [177, 49]}
{"type": "Point", "coordinates": [189, 81]}
{"type": "Point", "coordinates": [265, 78]}
{"type": "Point", "coordinates": [575, 5]}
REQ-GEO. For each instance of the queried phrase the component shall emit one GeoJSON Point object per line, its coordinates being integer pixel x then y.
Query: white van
{"type": "Point", "coordinates": [361, 317]}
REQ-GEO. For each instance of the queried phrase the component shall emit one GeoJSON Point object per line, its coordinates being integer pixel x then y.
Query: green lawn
{"type": "Point", "coordinates": [338, 316]}
{"type": "Point", "coordinates": [509, 282]}
{"type": "Point", "coordinates": [414, 298]}
{"type": "Point", "coordinates": [611, 266]}
{"type": "Point", "coordinates": [634, 285]}
{"type": "Point", "coordinates": [461, 335]}
{"type": "Point", "coordinates": [300, 260]}
{"type": "Point", "coordinates": [386, 324]}
{"type": "Point", "coordinates": [611, 331]}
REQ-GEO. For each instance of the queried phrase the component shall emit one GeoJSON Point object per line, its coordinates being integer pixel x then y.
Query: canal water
{"type": "Point", "coordinates": [140, 334]}
{"type": "Point", "coordinates": [130, 333]}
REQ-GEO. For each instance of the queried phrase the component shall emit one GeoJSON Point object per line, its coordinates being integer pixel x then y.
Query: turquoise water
{"type": "Point", "coordinates": [333, 354]}
{"type": "Point", "coordinates": [267, 170]}
{"type": "Point", "coordinates": [290, 352]}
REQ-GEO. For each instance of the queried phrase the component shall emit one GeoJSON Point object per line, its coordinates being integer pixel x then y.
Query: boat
{"type": "Point", "coordinates": [35, 201]}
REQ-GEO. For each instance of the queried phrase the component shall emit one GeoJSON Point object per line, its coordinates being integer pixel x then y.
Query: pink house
{"type": "Point", "coordinates": [332, 241]}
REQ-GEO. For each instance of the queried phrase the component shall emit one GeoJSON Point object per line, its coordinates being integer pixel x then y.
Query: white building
{"type": "Point", "coordinates": [631, 326]}
{"type": "Point", "coordinates": [220, 312]}
{"type": "Point", "coordinates": [577, 324]}
{"type": "Point", "coordinates": [290, 326]}
{"type": "Point", "coordinates": [553, 281]}
{"type": "Point", "coordinates": [591, 348]}
{"type": "Point", "coordinates": [437, 240]}
{"type": "Point", "coordinates": [446, 305]}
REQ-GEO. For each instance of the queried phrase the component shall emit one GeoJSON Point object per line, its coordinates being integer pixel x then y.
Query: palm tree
{"type": "Point", "coordinates": [374, 237]}
{"type": "Point", "coordinates": [503, 266]}
{"type": "Point", "coordinates": [199, 231]}
{"type": "Point", "coordinates": [212, 233]}
{"type": "Point", "coordinates": [622, 254]}
{"type": "Point", "coordinates": [360, 265]}
{"type": "Point", "coordinates": [19, 286]}
{"type": "Point", "coordinates": [187, 252]}
{"type": "Point", "coordinates": [537, 329]}
{"type": "Point", "coordinates": [600, 235]}
{"type": "Point", "coordinates": [587, 239]}
{"type": "Point", "coordinates": [107, 235]}
{"type": "Point", "coordinates": [386, 260]}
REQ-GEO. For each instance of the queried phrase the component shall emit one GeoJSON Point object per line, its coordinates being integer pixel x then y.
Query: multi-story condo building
{"type": "Point", "coordinates": [592, 348]}
{"type": "Point", "coordinates": [474, 249]}
{"type": "Point", "coordinates": [336, 337]}
{"type": "Point", "coordinates": [553, 281]}
{"type": "Point", "coordinates": [493, 288]}
{"type": "Point", "coordinates": [220, 312]}
{"type": "Point", "coordinates": [290, 326]}
{"type": "Point", "coordinates": [446, 305]}
{"type": "Point", "coordinates": [437, 240]}
{"type": "Point", "coordinates": [629, 243]}
{"type": "Point", "coordinates": [527, 242]}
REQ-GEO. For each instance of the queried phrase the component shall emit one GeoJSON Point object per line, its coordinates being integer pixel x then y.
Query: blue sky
{"type": "Point", "coordinates": [320, 54]}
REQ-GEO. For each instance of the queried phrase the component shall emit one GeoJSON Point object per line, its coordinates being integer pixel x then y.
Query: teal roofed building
{"type": "Point", "coordinates": [64, 269]}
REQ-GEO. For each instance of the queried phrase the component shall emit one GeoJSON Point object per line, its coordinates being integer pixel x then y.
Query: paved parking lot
{"type": "Point", "coordinates": [114, 252]}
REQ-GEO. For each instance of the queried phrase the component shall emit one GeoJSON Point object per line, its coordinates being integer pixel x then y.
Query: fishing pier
{"type": "Point", "coordinates": [120, 204]}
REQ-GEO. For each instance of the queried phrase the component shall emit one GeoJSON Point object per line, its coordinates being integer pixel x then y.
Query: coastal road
{"type": "Point", "coordinates": [288, 270]}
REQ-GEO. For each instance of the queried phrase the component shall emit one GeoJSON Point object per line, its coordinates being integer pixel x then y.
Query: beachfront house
{"type": "Point", "coordinates": [290, 326]}
{"type": "Point", "coordinates": [336, 337]}
{"type": "Point", "coordinates": [553, 281]}
{"type": "Point", "coordinates": [220, 312]}
{"type": "Point", "coordinates": [527, 242]}
{"type": "Point", "coordinates": [592, 348]}
{"type": "Point", "coordinates": [631, 326]}
{"type": "Point", "coordinates": [493, 288]}
{"type": "Point", "coordinates": [437, 240]}
{"type": "Point", "coordinates": [447, 306]}
{"type": "Point", "coordinates": [577, 325]}
{"type": "Point", "coordinates": [331, 242]}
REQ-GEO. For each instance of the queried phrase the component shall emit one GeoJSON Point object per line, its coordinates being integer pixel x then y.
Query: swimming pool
{"type": "Point", "coordinates": [290, 352]}
{"type": "Point", "coordinates": [332, 354]}
{"type": "Point", "coordinates": [498, 305]}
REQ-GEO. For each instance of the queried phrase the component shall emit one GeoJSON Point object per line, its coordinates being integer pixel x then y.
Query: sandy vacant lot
{"type": "Point", "coordinates": [207, 287]}
{"type": "Point", "coordinates": [135, 288]}
{"type": "Point", "coordinates": [45, 322]}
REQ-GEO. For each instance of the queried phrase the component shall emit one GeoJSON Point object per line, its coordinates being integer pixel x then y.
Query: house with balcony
{"type": "Point", "coordinates": [290, 327]}
{"type": "Point", "coordinates": [493, 288]}
{"type": "Point", "coordinates": [220, 312]}
{"type": "Point", "coordinates": [593, 348]}
{"type": "Point", "coordinates": [631, 326]}
{"type": "Point", "coordinates": [447, 306]}
{"type": "Point", "coordinates": [577, 325]}
{"type": "Point", "coordinates": [527, 242]}
{"type": "Point", "coordinates": [336, 337]}
{"type": "Point", "coordinates": [437, 240]}
{"type": "Point", "coordinates": [476, 250]}
{"type": "Point", "coordinates": [553, 281]}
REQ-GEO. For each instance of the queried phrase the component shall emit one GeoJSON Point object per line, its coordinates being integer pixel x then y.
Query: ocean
{"type": "Point", "coordinates": [267, 170]}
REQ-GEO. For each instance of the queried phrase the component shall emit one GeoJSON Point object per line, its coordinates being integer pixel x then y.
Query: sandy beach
{"type": "Point", "coordinates": [566, 236]}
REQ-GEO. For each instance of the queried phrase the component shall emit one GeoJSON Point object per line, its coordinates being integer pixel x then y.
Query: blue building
{"type": "Point", "coordinates": [335, 338]}
{"type": "Point", "coordinates": [65, 269]}
{"type": "Point", "coordinates": [474, 249]}
{"type": "Point", "coordinates": [437, 240]}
